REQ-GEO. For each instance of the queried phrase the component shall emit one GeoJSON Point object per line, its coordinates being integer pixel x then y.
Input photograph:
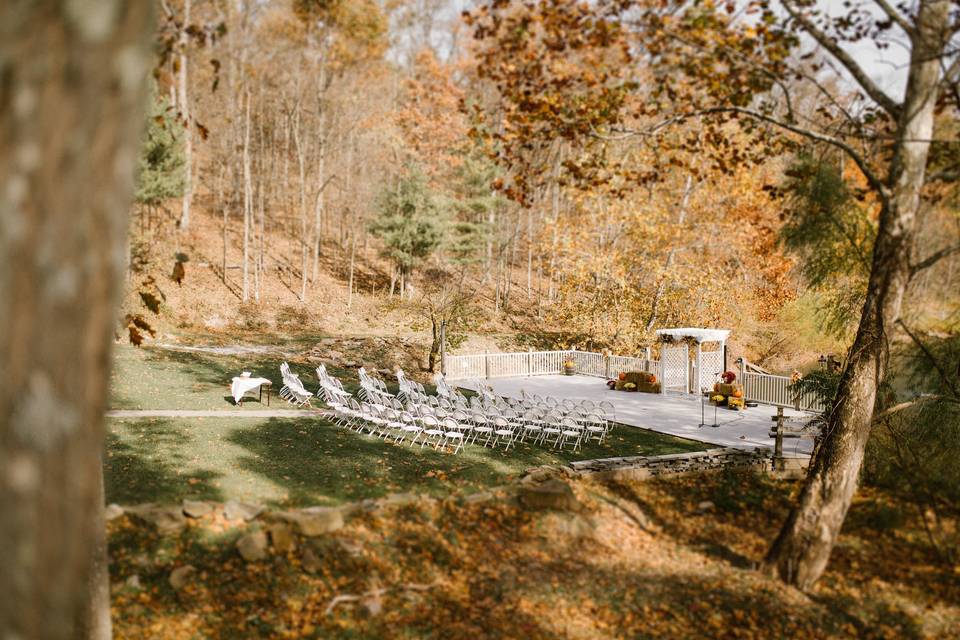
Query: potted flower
{"type": "Point", "coordinates": [569, 367]}
{"type": "Point", "coordinates": [630, 387]}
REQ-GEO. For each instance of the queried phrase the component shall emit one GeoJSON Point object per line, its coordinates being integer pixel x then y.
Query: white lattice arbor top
{"type": "Point", "coordinates": [698, 334]}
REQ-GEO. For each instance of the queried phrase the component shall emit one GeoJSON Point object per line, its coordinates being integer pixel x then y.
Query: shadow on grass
{"type": "Point", "coordinates": [144, 465]}
{"type": "Point", "coordinates": [316, 461]}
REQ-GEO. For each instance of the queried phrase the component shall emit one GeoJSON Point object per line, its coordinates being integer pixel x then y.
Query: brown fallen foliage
{"type": "Point", "coordinates": [647, 559]}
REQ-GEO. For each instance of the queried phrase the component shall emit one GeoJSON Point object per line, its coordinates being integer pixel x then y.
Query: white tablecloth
{"type": "Point", "coordinates": [242, 384]}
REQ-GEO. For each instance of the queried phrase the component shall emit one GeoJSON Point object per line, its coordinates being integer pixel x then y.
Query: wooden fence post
{"type": "Point", "coordinates": [529, 362]}
{"type": "Point", "coordinates": [486, 365]}
{"type": "Point", "coordinates": [606, 365]}
{"type": "Point", "coordinates": [778, 461]}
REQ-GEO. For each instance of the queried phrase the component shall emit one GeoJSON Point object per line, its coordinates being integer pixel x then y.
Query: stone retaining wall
{"type": "Point", "coordinates": [639, 467]}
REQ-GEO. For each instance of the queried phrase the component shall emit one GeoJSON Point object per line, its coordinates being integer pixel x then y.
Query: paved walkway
{"type": "Point", "coordinates": [672, 414]}
{"type": "Point", "coordinates": [225, 413]}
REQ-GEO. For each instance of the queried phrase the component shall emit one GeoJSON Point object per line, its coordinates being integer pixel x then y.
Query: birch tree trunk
{"type": "Point", "coordinates": [317, 239]}
{"type": "Point", "coordinates": [184, 103]}
{"type": "Point", "coordinates": [301, 166]}
{"type": "Point", "coordinates": [800, 553]}
{"type": "Point", "coordinates": [247, 197]}
{"type": "Point", "coordinates": [70, 70]}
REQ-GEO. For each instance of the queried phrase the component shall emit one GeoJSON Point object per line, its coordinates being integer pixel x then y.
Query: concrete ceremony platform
{"type": "Point", "coordinates": [674, 414]}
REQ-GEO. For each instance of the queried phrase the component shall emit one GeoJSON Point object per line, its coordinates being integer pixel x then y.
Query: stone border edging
{"type": "Point", "coordinates": [640, 467]}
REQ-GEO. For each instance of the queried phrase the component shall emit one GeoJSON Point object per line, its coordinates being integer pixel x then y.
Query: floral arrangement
{"type": "Point", "coordinates": [630, 386]}
{"type": "Point", "coordinates": [728, 377]}
{"type": "Point", "coordinates": [795, 377]}
{"type": "Point", "coordinates": [717, 398]}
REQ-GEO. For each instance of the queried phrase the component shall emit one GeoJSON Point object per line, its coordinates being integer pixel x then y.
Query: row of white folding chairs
{"type": "Point", "coordinates": [495, 425]}
{"type": "Point", "coordinates": [589, 418]}
{"type": "Point", "coordinates": [331, 389]}
{"type": "Point", "coordinates": [483, 390]}
{"type": "Point", "coordinates": [387, 417]}
{"type": "Point", "coordinates": [586, 425]}
{"type": "Point", "coordinates": [490, 421]}
{"type": "Point", "coordinates": [443, 388]}
{"type": "Point", "coordinates": [604, 409]}
{"type": "Point", "coordinates": [567, 406]}
{"type": "Point", "coordinates": [398, 424]}
{"type": "Point", "coordinates": [409, 388]}
{"type": "Point", "coordinates": [585, 403]}
{"type": "Point", "coordinates": [293, 390]}
{"type": "Point", "coordinates": [370, 385]}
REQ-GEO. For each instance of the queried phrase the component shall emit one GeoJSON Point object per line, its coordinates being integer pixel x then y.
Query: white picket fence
{"type": "Point", "coordinates": [538, 363]}
{"type": "Point", "coordinates": [505, 365]}
{"type": "Point", "coordinates": [627, 363]}
{"type": "Point", "coordinates": [758, 387]}
{"type": "Point", "coordinates": [768, 389]}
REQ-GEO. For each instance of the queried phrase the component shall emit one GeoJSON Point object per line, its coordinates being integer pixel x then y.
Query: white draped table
{"type": "Point", "coordinates": [244, 383]}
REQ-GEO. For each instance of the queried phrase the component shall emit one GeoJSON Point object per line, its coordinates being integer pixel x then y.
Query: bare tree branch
{"type": "Point", "coordinates": [900, 406]}
{"type": "Point", "coordinates": [946, 175]}
{"type": "Point", "coordinates": [933, 259]}
{"type": "Point", "coordinates": [896, 16]}
{"type": "Point", "coordinates": [936, 364]}
{"type": "Point", "coordinates": [950, 79]}
{"type": "Point", "coordinates": [869, 86]}
{"type": "Point", "coordinates": [875, 183]}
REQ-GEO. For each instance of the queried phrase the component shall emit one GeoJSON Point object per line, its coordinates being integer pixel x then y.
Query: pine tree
{"type": "Point", "coordinates": [162, 166]}
{"type": "Point", "coordinates": [411, 224]}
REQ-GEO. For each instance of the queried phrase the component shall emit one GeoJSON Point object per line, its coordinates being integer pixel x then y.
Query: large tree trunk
{"type": "Point", "coordinates": [71, 110]}
{"type": "Point", "coordinates": [184, 104]}
{"type": "Point", "coordinates": [801, 551]}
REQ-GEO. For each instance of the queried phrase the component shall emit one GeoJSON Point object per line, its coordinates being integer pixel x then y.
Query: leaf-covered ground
{"type": "Point", "coordinates": [640, 561]}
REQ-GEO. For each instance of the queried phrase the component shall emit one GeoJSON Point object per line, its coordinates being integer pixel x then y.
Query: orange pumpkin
{"type": "Point", "coordinates": [738, 393]}
{"type": "Point", "coordinates": [622, 376]}
{"type": "Point", "coordinates": [653, 379]}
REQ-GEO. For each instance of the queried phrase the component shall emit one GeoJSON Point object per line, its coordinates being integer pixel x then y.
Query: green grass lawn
{"type": "Point", "coordinates": [308, 461]}
{"type": "Point", "coordinates": [163, 379]}
{"type": "Point", "coordinates": [283, 461]}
